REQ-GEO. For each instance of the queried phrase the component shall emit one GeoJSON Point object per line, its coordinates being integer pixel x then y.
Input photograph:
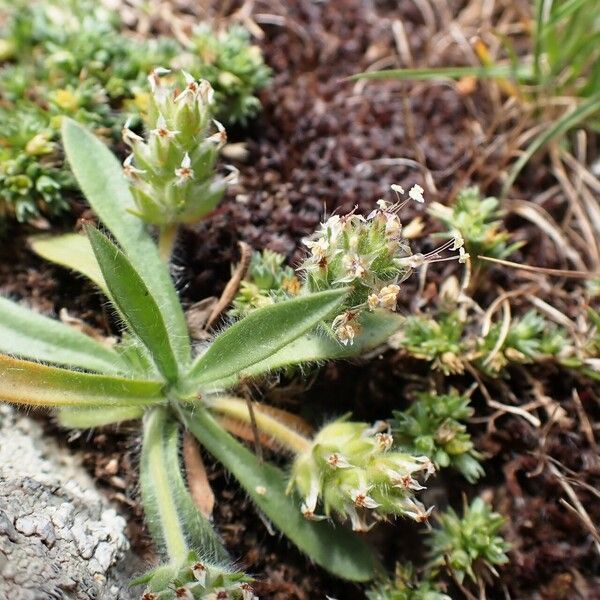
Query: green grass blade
{"type": "Point", "coordinates": [568, 121]}
{"type": "Point", "coordinates": [135, 302]}
{"type": "Point", "coordinates": [175, 523]}
{"type": "Point", "coordinates": [425, 73]}
{"type": "Point", "coordinates": [30, 335]}
{"type": "Point", "coordinates": [88, 418]}
{"type": "Point", "coordinates": [262, 333]}
{"type": "Point", "coordinates": [336, 549]}
{"type": "Point", "coordinates": [100, 177]}
{"type": "Point", "coordinates": [72, 251]}
{"type": "Point", "coordinates": [32, 384]}
{"type": "Point", "coordinates": [315, 347]}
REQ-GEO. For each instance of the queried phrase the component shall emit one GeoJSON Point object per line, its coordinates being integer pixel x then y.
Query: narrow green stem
{"type": "Point", "coordinates": [166, 241]}
{"type": "Point", "coordinates": [159, 504]}
{"type": "Point", "coordinates": [238, 409]}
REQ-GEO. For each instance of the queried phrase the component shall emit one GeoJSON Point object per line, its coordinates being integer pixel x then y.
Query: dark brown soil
{"type": "Point", "coordinates": [323, 143]}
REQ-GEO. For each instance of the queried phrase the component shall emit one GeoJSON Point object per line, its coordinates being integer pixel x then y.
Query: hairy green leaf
{"type": "Point", "coordinates": [175, 523]}
{"type": "Point", "coordinates": [25, 382]}
{"type": "Point", "coordinates": [334, 548]}
{"type": "Point", "coordinates": [100, 177]}
{"type": "Point", "coordinates": [262, 333]}
{"type": "Point", "coordinates": [72, 251]}
{"type": "Point", "coordinates": [87, 418]}
{"type": "Point", "coordinates": [316, 346]}
{"type": "Point", "coordinates": [30, 335]}
{"type": "Point", "coordinates": [135, 303]}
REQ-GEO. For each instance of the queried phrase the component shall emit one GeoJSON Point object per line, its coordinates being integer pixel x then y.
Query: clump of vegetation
{"type": "Point", "coordinates": [478, 221]}
{"type": "Point", "coordinates": [433, 425]}
{"type": "Point", "coordinates": [267, 281]}
{"type": "Point", "coordinates": [235, 69]}
{"type": "Point", "coordinates": [71, 59]}
{"type": "Point", "coordinates": [471, 546]}
{"type": "Point", "coordinates": [407, 586]}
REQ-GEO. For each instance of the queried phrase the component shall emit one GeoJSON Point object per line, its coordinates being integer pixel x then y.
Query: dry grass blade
{"type": "Point", "coordinates": [543, 270]}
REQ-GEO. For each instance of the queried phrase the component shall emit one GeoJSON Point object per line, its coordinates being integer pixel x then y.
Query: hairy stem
{"type": "Point", "coordinates": [166, 241]}
{"type": "Point", "coordinates": [159, 504]}
{"type": "Point", "coordinates": [237, 408]}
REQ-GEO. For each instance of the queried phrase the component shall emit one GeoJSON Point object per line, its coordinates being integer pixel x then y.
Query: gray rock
{"type": "Point", "coordinates": [60, 538]}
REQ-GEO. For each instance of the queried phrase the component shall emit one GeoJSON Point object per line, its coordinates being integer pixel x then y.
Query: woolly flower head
{"type": "Point", "coordinates": [351, 470]}
{"type": "Point", "coordinates": [195, 579]}
{"type": "Point", "coordinates": [369, 255]}
{"type": "Point", "coordinates": [172, 168]}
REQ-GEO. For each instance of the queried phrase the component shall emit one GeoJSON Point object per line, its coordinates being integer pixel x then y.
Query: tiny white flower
{"type": "Point", "coordinates": [406, 482]}
{"type": "Point", "coordinates": [337, 461]}
{"type": "Point", "coordinates": [162, 131]}
{"type": "Point", "coordinates": [184, 172]}
{"type": "Point", "coordinates": [318, 248]}
{"type": "Point", "coordinates": [373, 301]}
{"type": "Point", "coordinates": [463, 256]}
{"type": "Point", "coordinates": [355, 266]}
{"type": "Point", "coordinates": [361, 498]}
{"type": "Point", "coordinates": [219, 138]}
{"type": "Point", "coordinates": [199, 572]}
{"type": "Point", "coordinates": [206, 92]}
{"type": "Point", "coordinates": [393, 226]}
{"type": "Point", "coordinates": [417, 512]}
{"type": "Point", "coordinates": [388, 296]}
{"type": "Point", "coordinates": [191, 88]}
{"type": "Point", "coordinates": [154, 77]}
{"type": "Point", "coordinates": [247, 592]}
{"type": "Point", "coordinates": [130, 137]}
{"type": "Point", "coordinates": [384, 441]}
{"type": "Point", "coordinates": [458, 241]}
{"type": "Point", "coordinates": [346, 334]}
{"type": "Point", "coordinates": [357, 522]}
{"type": "Point", "coordinates": [416, 193]}
{"type": "Point", "coordinates": [184, 593]}
{"type": "Point", "coordinates": [129, 170]}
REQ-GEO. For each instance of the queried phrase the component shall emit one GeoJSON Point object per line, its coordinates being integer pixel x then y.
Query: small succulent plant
{"type": "Point", "coordinates": [267, 281]}
{"type": "Point", "coordinates": [478, 221]}
{"type": "Point", "coordinates": [438, 338]}
{"type": "Point", "coordinates": [433, 426]}
{"type": "Point", "coordinates": [407, 586]}
{"type": "Point", "coordinates": [471, 546]}
{"type": "Point", "coordinates": [235, 69]}
{"type": "Point", "coordinates": [529, 338]}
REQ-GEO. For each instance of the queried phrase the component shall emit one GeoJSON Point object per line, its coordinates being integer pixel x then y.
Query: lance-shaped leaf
{"type": "Point", "coordinates": [317, 346]}
{"type": "Point", "coordinates": [30, 335]}
{"type": "Point", "coordinates": [101, 179]}
{"type": "Point", "coordinates": [174, 521]}
{"type": "Point", "coordinates": [336, 549]}
{"type": "Point", "coordinates": [29, 383]}
{"type": "Point", "coordinates": [87, 418]}
{"type": "Point", "coordinates": [262, 333]}
{"type": "Point", "coordinates": [72, 251]}
{"type": "Point", "coordinates": [135, 303]}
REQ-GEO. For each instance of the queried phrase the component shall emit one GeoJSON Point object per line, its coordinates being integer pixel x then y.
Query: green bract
{"type": "Point", "coordinates": [154, 373]}
{"type": "Point", "coordinates": [433, 426]}
{"type": "Point", "coordinates": [470, 546]}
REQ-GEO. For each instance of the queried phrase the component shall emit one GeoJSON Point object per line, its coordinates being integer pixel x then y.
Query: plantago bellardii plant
{"type": "Point", "coordinates": [155, 374]}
